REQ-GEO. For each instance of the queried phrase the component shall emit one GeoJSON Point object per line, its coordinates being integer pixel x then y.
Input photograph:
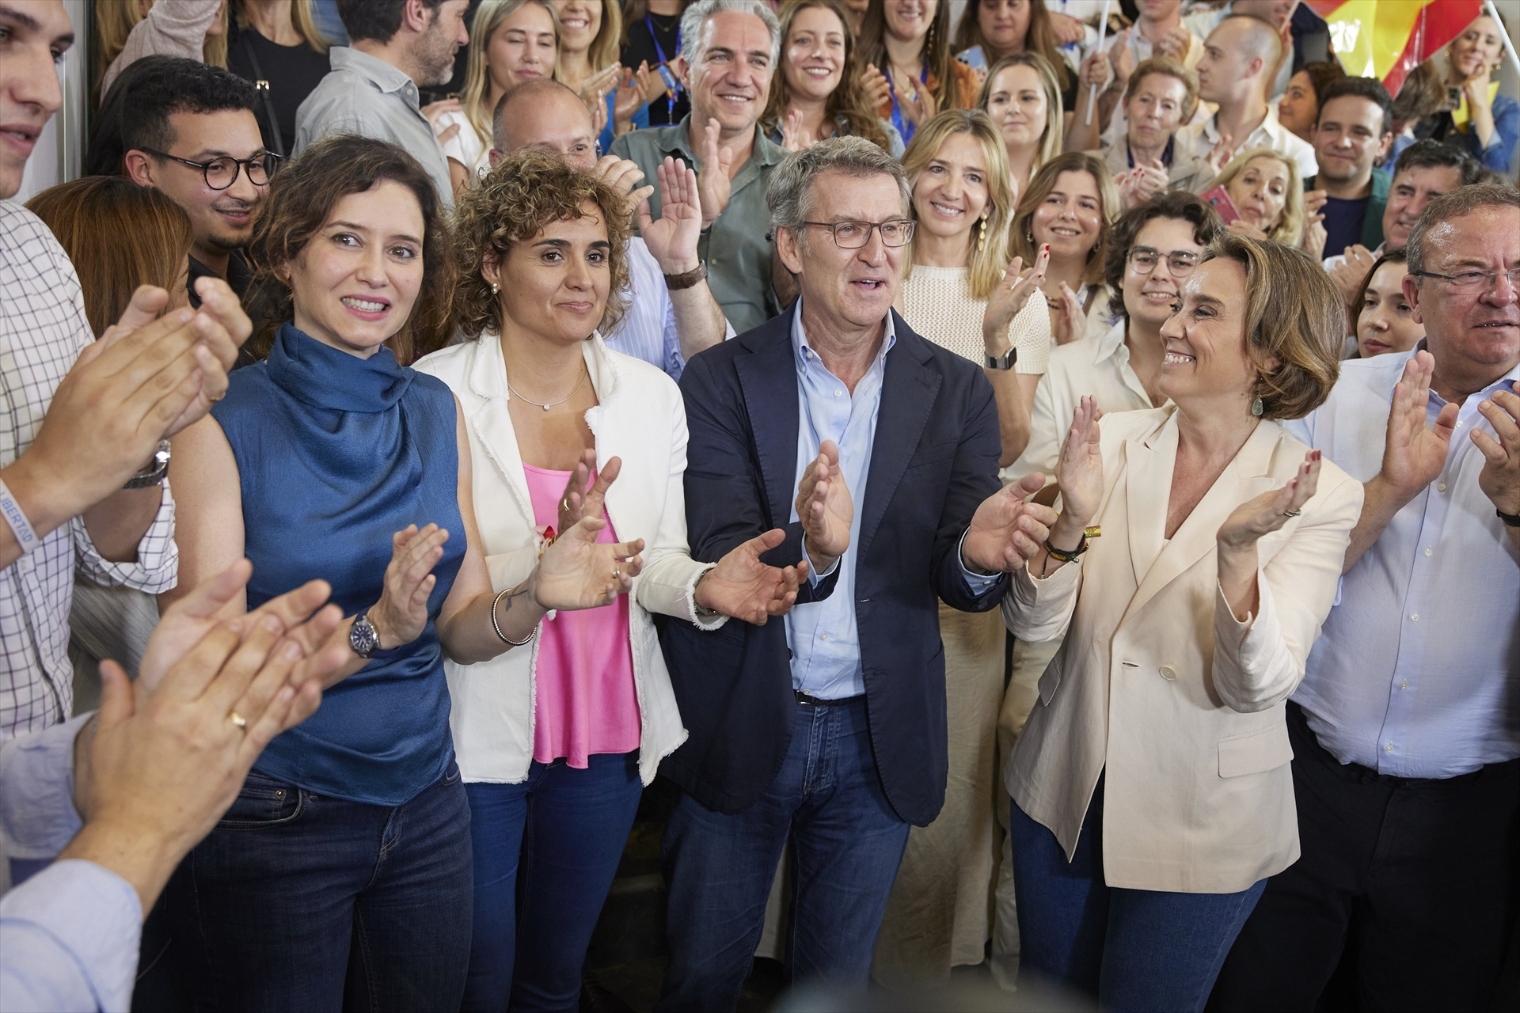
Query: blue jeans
{"type": "Point", "coordinates": [846, 841]}
{"type": "Point", "coordinates": [304, 902]}
{"type": "Point", "coordinates": [546, 850]}
{"type": "Point", "coordinates": [1133, 949]}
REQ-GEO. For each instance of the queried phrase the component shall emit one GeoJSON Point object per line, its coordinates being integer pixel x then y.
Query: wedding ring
{"type": "Point", "coordinates": [617, 573]}
{"type": "Point", "coordinates": [238, 719]}
{"type": "Point", "coordinates": [214, 400]}
{"type": "Point", "coordinates": [1291, 513]}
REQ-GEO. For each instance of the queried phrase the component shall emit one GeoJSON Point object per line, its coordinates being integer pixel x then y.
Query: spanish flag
{"type": "Point", "coordinates": [1387, 38]}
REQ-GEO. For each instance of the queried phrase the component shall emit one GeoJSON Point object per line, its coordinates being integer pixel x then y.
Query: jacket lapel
{"type": "Point", "coordinates": [1244, 478]}
{"type": "Point", "coordinates": [1147, 487]}
{"type": "Point", "coordinates": [768, 382]}
{"type": "Point", "coordinates": [492, 422]}
{"type": "Point", "coordinates": [908, 392]}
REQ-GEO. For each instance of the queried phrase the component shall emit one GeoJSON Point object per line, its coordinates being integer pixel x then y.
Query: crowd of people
{"type": "Point", "coordinates": [1043, 501]}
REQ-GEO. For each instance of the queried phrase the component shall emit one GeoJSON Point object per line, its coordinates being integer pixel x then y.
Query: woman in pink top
{"type": "Point", "coordinates": [555, 742]}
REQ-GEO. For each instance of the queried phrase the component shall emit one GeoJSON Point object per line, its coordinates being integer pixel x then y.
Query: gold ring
{"type": "Point", "coordinates": [238, 719]}
{"type": "Point", "coordinates": [214, 400]}
{"type": "Point", "coordinates": [617, 573]}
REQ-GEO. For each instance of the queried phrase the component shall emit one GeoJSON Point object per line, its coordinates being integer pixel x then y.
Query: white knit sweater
{"type": "Point", "coordinates": [937, 303]}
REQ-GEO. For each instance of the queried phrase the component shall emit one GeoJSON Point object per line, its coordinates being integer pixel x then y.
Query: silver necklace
{"type": "Point", "coordinates": [551, 404]}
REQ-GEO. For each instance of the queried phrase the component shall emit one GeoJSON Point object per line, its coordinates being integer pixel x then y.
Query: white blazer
{"type": "Point", "coordinates": [641, 419]}
{"type": "Point", "coordinates": [1158, 687]}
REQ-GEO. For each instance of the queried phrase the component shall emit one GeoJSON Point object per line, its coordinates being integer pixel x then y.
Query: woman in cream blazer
{"type": "Point", "coordinates": [1151, 787]}
{"type": "Point", "coordinates": [556, 738]}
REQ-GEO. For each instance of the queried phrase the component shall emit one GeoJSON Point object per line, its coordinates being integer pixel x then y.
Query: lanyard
{"type": "Point", "coordinates": [904, 129]}
{"type": "Point", "coordinates": [673, 85]}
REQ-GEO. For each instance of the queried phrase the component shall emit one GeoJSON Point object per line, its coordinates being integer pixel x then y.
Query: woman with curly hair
{"type": "Point", "coordinates": [818, 93]}
{"type": "Point", "coordinates": [345, 860]}
{"type": "Point", "coordinates": [556, 742]}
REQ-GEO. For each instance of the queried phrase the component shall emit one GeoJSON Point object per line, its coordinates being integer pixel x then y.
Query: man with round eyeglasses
{"type": "Point", "coordinates": [191, 132]}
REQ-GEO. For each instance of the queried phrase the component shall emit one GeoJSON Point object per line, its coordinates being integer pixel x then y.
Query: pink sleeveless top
{"type": "Point", "coordinates": [585, 701]}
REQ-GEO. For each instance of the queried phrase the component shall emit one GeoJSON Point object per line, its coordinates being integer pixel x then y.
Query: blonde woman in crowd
{"type": "Point", "coordinates": [590, 36]}
{"type": "Point", "coordinates": [817, 92]}
{"type": "Point", "coordinates": [1146, 160]}
{"type": "Point", "coordinates": [1069, 208]}
{"type": "Point", "coordinates": [960, 292]}
{"type": "Point", "coordinates": [909, 45]}
{"type": "Point", "coordinates": [511, 41]}
{"type": "Point", "coordinates": [128, 30]}
{"type": "Point", "coordinates": [1268, 196]}
{"type": "Point", "coordinates": [556, 741]}
{"type": "Point", "coordinates": [1198, 550]}
{"type": "Point", "coordinates": [1023, 97]}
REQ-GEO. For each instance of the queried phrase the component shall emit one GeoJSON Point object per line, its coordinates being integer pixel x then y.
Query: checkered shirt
{"type": "Point", "coordinates": [42, 331]}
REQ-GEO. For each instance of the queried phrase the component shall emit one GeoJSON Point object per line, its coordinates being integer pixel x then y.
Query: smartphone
{"type": "Point", "coordinates": [1219, 199]}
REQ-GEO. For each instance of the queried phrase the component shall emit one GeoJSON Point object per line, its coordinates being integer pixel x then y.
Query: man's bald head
{"type": "Point", "coordinates": [544, 114]}
{"type": "Point", "coordinates": [1250, 36]}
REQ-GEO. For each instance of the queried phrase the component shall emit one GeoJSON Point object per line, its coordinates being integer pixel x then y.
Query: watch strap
{"type": "Point", "coordinates": [1004, 361]}
{"type": "Point", "coordinates": [677, 282]}
{"type": "Point", "coordinates": [1512, 520]}
{"type": "Point", "coordinates": [154, 473]}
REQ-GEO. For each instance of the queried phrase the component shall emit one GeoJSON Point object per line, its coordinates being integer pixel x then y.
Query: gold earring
{"type": "Point", "coordinates": [981, 235]}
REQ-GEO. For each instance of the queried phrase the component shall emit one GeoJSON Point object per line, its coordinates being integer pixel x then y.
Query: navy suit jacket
{"type": "Point", "coordinates": [934, 460]}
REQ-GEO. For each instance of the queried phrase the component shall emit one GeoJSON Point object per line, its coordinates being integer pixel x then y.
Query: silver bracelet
{"type": "Point", "coordinates": [16, 518]}
{"type": "Point", "coordinates": [497, 626]}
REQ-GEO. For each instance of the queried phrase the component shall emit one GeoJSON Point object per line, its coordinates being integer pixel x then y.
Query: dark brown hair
{"type": "Point", "coordinates": [1177, 204]}
{"type": "Point", "coordinates": [1021, 242]}
{"type": "Point", "coordinates": [1304, 333]}
{"type": "Point", "coordinates": [1039, 38]}
{"type": "Point", "coordinates": [525, 192]}
{"type": "Point", "coordinates": [847, 100]}
{"type": "Point", "coordinates": [873, 49]}
{"type": "Point", "coordinates": [302, 197]}
{"type": "Point", "coordinates": [119, 236]}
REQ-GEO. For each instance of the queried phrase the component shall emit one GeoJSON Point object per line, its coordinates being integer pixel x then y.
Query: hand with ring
{"type": "Point", "coordinates": [573, 571]}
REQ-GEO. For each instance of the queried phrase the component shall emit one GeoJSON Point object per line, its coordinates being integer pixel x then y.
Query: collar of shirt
{"type": "Point", "coordinates": [1111, 341]}
{"type": "Point", "coordinates": [765, 151]}
{"type": "Point", "coordinates": [808, 360]}
{"type": "Point", "coordinates": [1268, 135]}
{"type": "Point", "coordinates": [375, 70]}
{"type": "Point", "coordinates": [1469, 406]}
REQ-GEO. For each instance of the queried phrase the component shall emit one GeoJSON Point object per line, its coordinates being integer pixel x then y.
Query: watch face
{"type": "Point", "coordinates": [363, 638]}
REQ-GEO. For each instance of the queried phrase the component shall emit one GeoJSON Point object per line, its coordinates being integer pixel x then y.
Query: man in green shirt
{"type": "Point", "coordinates": [727, 58]}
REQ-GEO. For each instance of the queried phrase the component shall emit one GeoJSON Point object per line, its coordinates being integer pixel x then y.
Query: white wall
{"type": "Point", "coordinates": [60, 150]}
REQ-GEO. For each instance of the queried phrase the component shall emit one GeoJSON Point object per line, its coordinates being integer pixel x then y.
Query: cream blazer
{"type": "Point", "coordinates": [640, 418]}
{"type": "Point", "coordinates": [1157, 683]}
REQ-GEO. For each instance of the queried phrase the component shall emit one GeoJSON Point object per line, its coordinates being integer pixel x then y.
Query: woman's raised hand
{"type": "Point", "coordinates": [743, 587]}
{"type": "Point", "coordinates": [1271, 510]}
{"type": "Point", "coordinates": [1079, 469]}
{"type": "Point", "coordinates": [578, 501]}
{"type": "Point", "coordinates": [578, 572]}
{"type": "Point", "coordinates": [1071, 319]}
{"type": "Point", "coordinates": [874, 83]}
{"type": "Point", "coordinates": [794, 137]}
{"type": "Point", "coordinates": [401, 614]}
{"type": "Point", "coordinates": [1009, 298]}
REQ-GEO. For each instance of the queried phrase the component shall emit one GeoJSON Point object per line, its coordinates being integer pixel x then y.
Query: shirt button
{"type": "Point", "coordinates": [1414, 617]}
{"type": "Point", "coordinates": [825, 636]}
{"type": "Point", "coordinates": [1441, 486]}
{"type": "Point", "coordinates": [1403, 684]}
{"type": "Point", "coordinates": [1168, 673]}
{"type": "Point", "coordinates": [839, 393]}
{"type": "Point", "coordinates": [1388, 747]}
{"type": "Point", "coordinates": [1429, 551]}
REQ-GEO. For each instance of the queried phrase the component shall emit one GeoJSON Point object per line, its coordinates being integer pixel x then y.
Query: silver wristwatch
{"type": "Point", "coordinates": [1004, 361]}
{"type": "Point", "coordinates": [363, 638]}
{"type": "Point", "coordinates": [154, 473]}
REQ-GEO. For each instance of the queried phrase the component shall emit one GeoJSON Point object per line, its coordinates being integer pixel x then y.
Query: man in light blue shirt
{"type": "Point", "coordinates": [1406, 729]}
{"type": "Point", "coordinates": [827, 732]}
{"type": "Point", "coordinates": [396, 45]}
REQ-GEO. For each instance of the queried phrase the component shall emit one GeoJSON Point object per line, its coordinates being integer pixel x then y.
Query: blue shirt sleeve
{"type": "Point", "coordinates": [68, 940]}
{"type": "Point", "coordinates": [979, 583]}
{"type": "Point", "coordinates": [1506, 132]}
{"type": "Point", "coordinates": [37, 814]}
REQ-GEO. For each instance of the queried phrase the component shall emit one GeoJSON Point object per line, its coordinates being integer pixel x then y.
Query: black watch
{"type": "Point", "coordinates": [363, 638]}
{"type": "Point", "coordinates": [1004, 361]}
{"type": "Point", "coordinates": [1513, 520]}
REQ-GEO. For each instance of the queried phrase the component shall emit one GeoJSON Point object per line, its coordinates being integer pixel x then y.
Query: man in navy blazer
{"type": "Point", "coordinates": [827, 730]}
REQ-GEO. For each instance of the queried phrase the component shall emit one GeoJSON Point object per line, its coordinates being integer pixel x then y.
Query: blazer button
{"type": "Point", "coordinates": [1168, 673]}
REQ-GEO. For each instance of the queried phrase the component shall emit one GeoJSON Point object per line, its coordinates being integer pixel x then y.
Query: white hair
{"type": "Point", "coordinates": [697, 14]}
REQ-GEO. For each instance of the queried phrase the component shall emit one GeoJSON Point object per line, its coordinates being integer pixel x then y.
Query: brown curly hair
{"type": "Point", "coordinates": [1304, 333]}
{"type": "Point", "coordinates": [302, 197]}
{"type": "Point", "coordinates": [515, 202]}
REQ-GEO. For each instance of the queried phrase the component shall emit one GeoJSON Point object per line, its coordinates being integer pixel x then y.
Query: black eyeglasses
{"type": "Point", "coordinates": [1472, 279]}
{"type": "Point", "coordinates": [854, 235]}
{"type": "Point", "coordinates": [222, 172]}
{"type": "Point", "coordinates": [1143, 260]}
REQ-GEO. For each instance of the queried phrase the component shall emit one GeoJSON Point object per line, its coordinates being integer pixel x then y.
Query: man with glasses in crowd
{"type": "Point", "coordinates": [191, 132]}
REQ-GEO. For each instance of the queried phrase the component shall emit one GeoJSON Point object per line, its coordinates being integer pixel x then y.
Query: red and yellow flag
{"type": "Point", "coordinates": [1387, 38]}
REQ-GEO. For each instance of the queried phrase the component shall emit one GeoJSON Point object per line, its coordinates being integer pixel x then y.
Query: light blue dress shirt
{"type": "Point", "coordinates": [1417, 672]}
{"type": "Point", "coordinates": [823, 636]}
{"type": "Point", "coordinates": [648, 330]}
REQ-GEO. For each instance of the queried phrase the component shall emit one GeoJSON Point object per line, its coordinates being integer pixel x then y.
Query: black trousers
{"type": "Point", "coordinates": [1416, 878]}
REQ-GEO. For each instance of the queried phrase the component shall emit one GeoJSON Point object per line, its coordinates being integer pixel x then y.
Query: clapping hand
{"type": "Point", "coordinates": [1414, 453]}
{"type": "Point", "coordinates": [1071, 319]}
{"type": "Point", "coordinates": [1009, 299]}
{"type": "Point", "coordinates": [1143, 182]}
{"type": "Point", "coordinates": [1353, 269]}
{"type": "Point", "coordinates": [713, 183]}
{"type": "Point", "coordinates": [1221, 154]}
{"type": "Point", "coordinates": [434, 111]}
{"type": "Point", "coordinates": [578, 501]}
{"type": "Point", "coordinates": [874, 83]}
{"type": "Point", "coordinates": [1079, 472]}
{"type": "Point", "coordinates": [578, 572]}
{"type": "Point", "coordinates": [794, 137]}
{"type": "Point", "coordinates": [1007, 529]}
{"type": "Point", "coordinates": [629, 100]}
{"type": "Point", "coordinates": [1271, 510]}
{"type": "Point", "coordinates": [825, 508]}
{"type": "Point", "coordinates": [918, 104]}
{"type": "Point", "coordinates": [625, 175]}
{"type": "Point", "coordinates": [673, 238]}
{"type": "Point", "coordinates": [1500, 477]}
{"type": "Point", "coordinates": [401, 614]}
{"type": "Point", "coordinates": [743, 587]}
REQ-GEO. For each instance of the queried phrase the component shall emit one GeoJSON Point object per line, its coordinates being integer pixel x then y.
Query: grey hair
{"type": "Point", "coordinates": [697, 14]}
{"type": "Point", "coordinates": [1462, 201]}
{"type": "Point", "coordinates": [790, 195]}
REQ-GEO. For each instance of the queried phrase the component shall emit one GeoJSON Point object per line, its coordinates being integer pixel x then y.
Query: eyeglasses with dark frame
{"type": "Point", "coordinates": [221, 172]}
{"type": "Point", "coordinates": [1471, 279]}
{"type": "Point", "coordinates": [1143, 260]}
{"type": "Point", "coordinates": [853, 235]}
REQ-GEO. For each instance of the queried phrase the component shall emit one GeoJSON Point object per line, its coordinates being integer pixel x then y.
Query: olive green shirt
{"type": "Point", "coordinates": [737, 248]}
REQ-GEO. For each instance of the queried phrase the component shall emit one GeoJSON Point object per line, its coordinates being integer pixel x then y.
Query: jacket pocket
{"type": "Point", "coordinates": [263, 802]}
{"type": "Point", "coordinates": [1254, 752]}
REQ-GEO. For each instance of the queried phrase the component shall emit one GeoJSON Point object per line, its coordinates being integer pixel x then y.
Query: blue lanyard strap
{"type": "Point", "coordinates": [670, 78]}
{"type": "Point", "coordinates": [904, 129]}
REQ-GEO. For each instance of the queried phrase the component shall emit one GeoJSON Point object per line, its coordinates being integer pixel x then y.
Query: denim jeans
{"type": "Point", "coordinates": [546, 850]}
{"type": "Point", "coordinates": [1133, 949]}
{"type": "Point", "coordinates": [300, 902]}
{"type": "Point", "coordinates": [846, 841]}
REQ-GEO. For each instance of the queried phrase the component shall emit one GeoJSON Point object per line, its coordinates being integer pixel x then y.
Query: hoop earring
{"type": "Point", "coordinates": [981, 235]}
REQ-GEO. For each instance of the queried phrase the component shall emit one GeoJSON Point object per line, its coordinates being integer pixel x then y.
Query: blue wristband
{"type": "Point", "coordinates": [16, 518]}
